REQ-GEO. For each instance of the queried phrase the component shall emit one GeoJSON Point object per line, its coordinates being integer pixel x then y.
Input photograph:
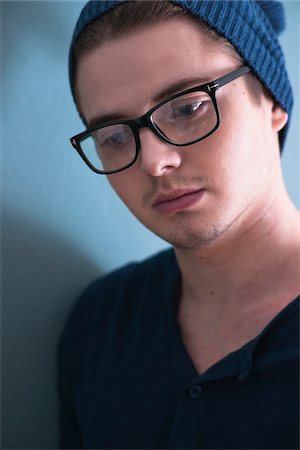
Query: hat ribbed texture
{"type": "Point", "coordinates": [250, 26]}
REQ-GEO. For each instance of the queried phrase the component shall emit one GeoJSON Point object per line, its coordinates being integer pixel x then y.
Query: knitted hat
{"type": "Point", "coordinates": [250, 26]}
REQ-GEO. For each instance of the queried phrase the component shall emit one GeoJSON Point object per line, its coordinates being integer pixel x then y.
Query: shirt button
{"type": "Point", "coordinates": [195, 391]}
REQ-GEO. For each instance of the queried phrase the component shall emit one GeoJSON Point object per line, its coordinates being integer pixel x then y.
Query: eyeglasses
{"type": "Point", "coordinates": [181, 120]}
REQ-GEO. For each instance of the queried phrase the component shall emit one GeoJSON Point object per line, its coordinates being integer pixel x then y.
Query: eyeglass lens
{"type": "Point", "coordinates": [184, 119]}
{"type": "Point", "coordinates": [110, 148]}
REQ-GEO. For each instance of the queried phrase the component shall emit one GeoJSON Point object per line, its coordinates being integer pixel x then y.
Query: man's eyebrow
{"type": "Point", "coordinates": [102, 118]}
{"type": "Point", "coordinates": [178, 86]}
{"type": "Point", "coordinates": [172, 89]}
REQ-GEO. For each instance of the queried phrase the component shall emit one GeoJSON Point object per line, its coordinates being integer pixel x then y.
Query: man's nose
{"type": "Point", "coordinates": [157, 157]}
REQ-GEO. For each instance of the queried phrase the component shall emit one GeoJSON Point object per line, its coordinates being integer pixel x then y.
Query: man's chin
{"type": "Point", "coordinates": [187, 238]}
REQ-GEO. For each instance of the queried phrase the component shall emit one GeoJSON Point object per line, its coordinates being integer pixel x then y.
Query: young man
{"type": "Point", "coordinates": [187, 106]}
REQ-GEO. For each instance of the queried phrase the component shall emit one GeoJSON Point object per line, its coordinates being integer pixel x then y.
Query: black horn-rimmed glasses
{"type": "Point", "coordinates": [182, 119]}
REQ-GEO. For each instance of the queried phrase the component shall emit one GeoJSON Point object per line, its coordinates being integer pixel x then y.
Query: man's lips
{"type": "Point", "coordinates": [176, 200]}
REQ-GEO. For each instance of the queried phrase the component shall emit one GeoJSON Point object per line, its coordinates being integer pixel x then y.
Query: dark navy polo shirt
{"type": "Point", "coordinates": [127, 381]}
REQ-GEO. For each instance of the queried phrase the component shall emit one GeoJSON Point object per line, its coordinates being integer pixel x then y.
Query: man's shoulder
{"type": "Point", "coordinates": [130, 277]}
{"type": "Point", "coordinates": [110, 294]}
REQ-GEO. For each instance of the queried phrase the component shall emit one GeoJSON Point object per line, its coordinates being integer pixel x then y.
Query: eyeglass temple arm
{"type": "Point", "coordinates": [219, 82]}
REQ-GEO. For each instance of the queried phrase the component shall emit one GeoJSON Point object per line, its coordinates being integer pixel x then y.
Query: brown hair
{"type": "Point", "coordinates": [131, 16]}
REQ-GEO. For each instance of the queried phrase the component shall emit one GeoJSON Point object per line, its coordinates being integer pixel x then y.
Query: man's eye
{"type": "Point", "coordinates": [114, 140]}
{"type": "Point", "coordinates": [187, 110]}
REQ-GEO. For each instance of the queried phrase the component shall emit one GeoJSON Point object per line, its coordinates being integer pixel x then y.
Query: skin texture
{"type": "Point", "coordinates": [238, 246]}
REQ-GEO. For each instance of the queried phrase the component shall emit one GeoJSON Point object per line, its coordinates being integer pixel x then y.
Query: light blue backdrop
{"type": "Point", "coordinates": [62, 225]}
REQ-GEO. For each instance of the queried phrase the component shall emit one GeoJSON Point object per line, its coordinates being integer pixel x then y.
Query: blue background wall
{"type": "Point", "coordinates": [62, 226]}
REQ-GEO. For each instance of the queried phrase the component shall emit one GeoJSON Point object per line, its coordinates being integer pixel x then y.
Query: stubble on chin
{"type": "Point", "coordinates": [186, 237]}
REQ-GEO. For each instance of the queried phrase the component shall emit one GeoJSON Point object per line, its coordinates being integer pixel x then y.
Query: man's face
{"type": "Point", "coordinates": [189, 195]}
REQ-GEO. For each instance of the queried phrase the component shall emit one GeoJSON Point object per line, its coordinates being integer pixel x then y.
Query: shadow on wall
{"type": "Point", "coordinates": [50, 274]}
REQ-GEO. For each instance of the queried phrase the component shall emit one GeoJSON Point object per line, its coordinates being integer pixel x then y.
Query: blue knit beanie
{"type": "Point", "coordinates": [251, 26]}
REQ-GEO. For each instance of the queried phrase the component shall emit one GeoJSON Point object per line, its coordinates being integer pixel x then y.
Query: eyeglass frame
{"type": "Point", "coordinates": [146, 121]}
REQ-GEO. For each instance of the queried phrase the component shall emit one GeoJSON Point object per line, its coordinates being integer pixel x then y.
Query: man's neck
{"type": "Point", "coordinates": [251, 265]}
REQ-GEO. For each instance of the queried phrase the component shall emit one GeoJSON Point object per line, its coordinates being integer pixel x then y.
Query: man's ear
{"type": "Point", "coordinates": [279, 117]}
